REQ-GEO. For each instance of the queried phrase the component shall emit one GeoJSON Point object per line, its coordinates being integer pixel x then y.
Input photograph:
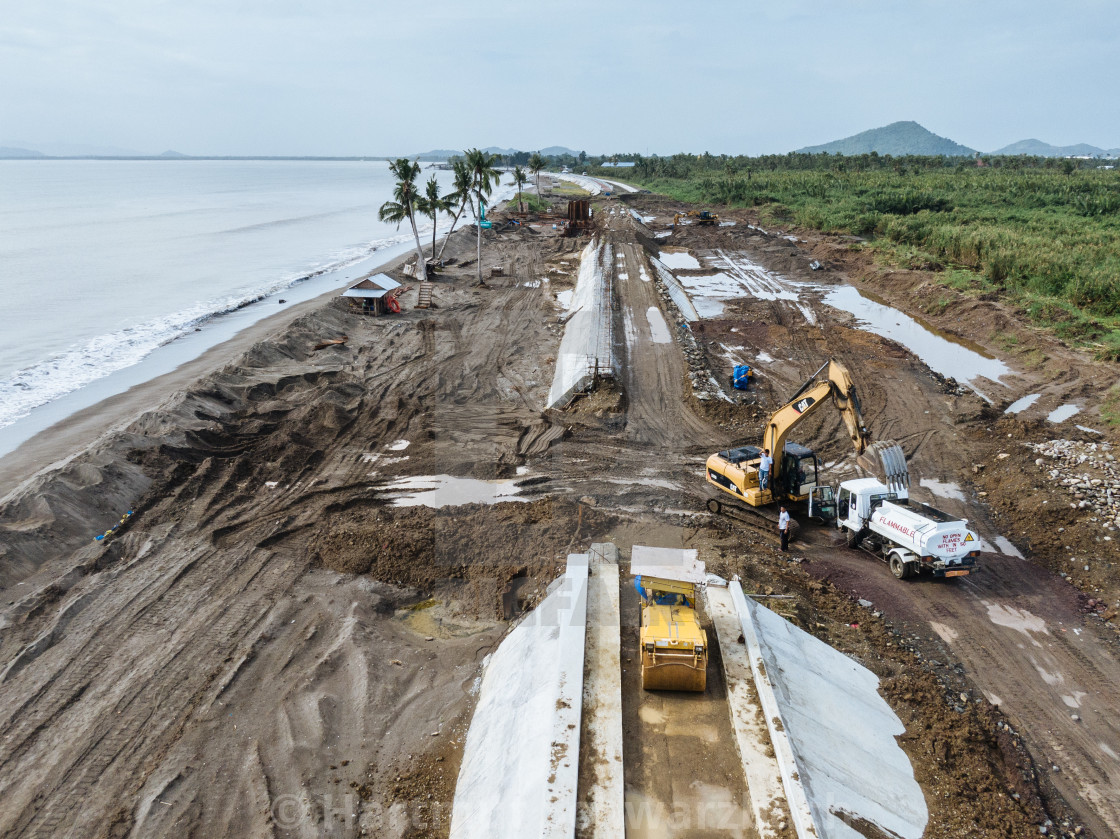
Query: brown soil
{"type": "Point", "coordinates": [269, 647]}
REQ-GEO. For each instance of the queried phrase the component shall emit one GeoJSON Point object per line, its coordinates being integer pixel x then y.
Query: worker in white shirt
{"type": "Point", "coordinates": [764, 464]}
{"type": "Point", "coordinates": [783, 528]}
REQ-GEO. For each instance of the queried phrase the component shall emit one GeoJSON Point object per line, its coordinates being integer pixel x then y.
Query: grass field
{"type": "Point", "coordinates": [1045, 235]}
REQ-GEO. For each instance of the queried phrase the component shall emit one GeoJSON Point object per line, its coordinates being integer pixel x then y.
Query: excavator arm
{"type": "Point", "coordinates": [808, 399]}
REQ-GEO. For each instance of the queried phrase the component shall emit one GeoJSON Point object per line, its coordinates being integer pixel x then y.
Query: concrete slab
{"type": "Point", "coordinates": [797, 801]}
{"type": "Point", "coordinates": [826, 709]}
{"type": "Point", "coordinates": [760, 766]}
{"type": "Point", "coordinates": [669, 563]}
{"type": "Point", "coordinates": [586, 345]}
{"type": "Point", "coordinates": [520, 759]}
{"type": "Point", "coordinates": [602, 789]}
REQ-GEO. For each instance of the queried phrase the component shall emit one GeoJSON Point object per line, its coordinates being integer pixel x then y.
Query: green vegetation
{"type": "Point", "coordinates": [533, 204]}
{"type": "Point", "coordinates": [1040, 232]}
{"type": "Point", "coordinates": [1110, 408]}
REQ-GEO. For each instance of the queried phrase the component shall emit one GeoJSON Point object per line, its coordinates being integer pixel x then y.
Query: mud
{"type": "Point", "coordinates": [268, 646]}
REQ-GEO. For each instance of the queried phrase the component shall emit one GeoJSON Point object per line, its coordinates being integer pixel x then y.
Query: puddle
{"type": "Point", "coordinates": [448, 491]}
{"type": "Point", "coordinates": [1062, 414]}
{"type": "Point", "coordinates": [397, 446]}
{"type": "Point", "coordinates": [658, 329]}
{"type": "Point", "coordinates": [764, 357]}
{"type": "Point", "coordinates": [1073, 700]}
{"type": "Point", "coordinates": [746, 277]}
{"type": "Point", "coordinates": [1007, 548]}
{"type": "Point", "coordinates": [943, 489]}
{"type": "Point", "coordinates": [1088, 430]}
{"type": "Point", "coordinates": [648, 482]}
{"type": "Point", "coordinates": [680, 260]}
{"type": "Point", "coordinates": [642, 273]}
{"type": "Point", "coordinates": [1022, 404]}
{"type": "Point", "coordinates": [434, 619]}
{"type": "Point", "coordinates": [943, 353]}
{"type": "Point", "coordinates": [1013, 618]}
{"type": "Point", "coordinates": [381, 460]}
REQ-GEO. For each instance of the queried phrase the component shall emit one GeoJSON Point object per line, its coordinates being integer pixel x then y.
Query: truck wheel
{"type": "Point", "coordinates": [899, 568]}
{"type": "Point", "coordinates": [713, 505]}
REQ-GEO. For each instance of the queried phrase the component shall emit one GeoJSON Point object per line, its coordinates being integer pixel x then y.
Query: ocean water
{"type": "Point", "coordinates": [103, 263]}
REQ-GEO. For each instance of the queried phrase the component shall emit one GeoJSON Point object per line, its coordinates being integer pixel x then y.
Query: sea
{"type": "Point", "coordinates": [113, 272]}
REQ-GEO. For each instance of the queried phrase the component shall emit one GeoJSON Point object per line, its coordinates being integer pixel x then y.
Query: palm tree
{"type": "Point", "coordinates": [404, 205]}
{"type": "Point", "coordinates": [520, 180]}
{"type": "Point", "coordinates": [536, 163]}
{"type": "Point", "coordinates": [486, 177]}
{"type": "Point", "coordinates": [431, 204]}
{"type": "Point", "coordinates": [464, 178]}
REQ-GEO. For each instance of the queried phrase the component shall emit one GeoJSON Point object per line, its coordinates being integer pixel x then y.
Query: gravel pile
{"type": "Point", "coordinates": [1090, 473]}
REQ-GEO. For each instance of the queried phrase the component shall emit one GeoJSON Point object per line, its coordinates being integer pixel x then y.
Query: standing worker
{"type": "Point", "coordinates": [783, 528]}
{"type": "Point", "coordinates": [764, 464]}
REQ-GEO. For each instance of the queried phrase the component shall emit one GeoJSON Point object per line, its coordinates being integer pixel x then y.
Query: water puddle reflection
{"type": "Point", "coordinates": [1063, 413]}
{"type": "Point", "coordinates": [448, 491]}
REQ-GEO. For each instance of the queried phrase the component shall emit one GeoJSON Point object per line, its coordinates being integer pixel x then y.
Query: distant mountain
{"type": "Point", "coordinates": [1037, 148]}
{"type": "Point", "coordinates": [444, 154]}
{"type": "Point", "coordinates": [174, 155]}
{"type": "Point", "coordinates": [898, 138]}
{"type": "Point", "coordinates": [11, 153]}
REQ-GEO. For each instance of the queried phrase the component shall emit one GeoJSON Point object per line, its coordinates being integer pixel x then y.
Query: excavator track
{"type": "Point", "coordinates": [752, 516]}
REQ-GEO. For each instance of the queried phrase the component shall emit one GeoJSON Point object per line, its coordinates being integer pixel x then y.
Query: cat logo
{"type": "Point", "coordinates": [969, 538]}
{"type": "Point", "coordinates": [802, 406]}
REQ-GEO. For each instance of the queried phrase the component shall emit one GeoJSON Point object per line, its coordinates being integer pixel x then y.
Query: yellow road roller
{"type": "Point", "coordinates": [674, 647]}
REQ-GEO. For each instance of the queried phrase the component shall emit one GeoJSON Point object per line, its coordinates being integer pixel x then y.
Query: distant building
{"type": "Point", "coordinates": [622, 164]}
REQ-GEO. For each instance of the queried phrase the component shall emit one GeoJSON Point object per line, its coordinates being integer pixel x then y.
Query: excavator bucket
{"type": "Point", "coordinates": [887, 462]}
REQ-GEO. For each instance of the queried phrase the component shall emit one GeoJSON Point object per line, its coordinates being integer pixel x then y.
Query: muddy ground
{"type": "Point", "coordinates": [270, 646]}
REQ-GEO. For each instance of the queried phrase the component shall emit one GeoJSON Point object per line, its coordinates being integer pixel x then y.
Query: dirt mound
{"type": "Point", "coordinates": [485, 548]}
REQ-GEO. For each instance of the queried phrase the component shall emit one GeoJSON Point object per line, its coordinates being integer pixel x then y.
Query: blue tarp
{"type": "Point", "coordinates": [741, 377]}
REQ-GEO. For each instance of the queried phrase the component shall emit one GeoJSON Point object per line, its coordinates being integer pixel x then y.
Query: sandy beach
{"type": "Point", "coordinates": [285, 636]}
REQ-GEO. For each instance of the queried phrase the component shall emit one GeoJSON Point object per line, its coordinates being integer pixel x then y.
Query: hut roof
{"type": "Point", "coordinates": [375, 286]}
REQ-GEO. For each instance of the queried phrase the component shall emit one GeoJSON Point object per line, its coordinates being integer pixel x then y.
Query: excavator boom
{"type": "Point", "coordinates": [793, 474]}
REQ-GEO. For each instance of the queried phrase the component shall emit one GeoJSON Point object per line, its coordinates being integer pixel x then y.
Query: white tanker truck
{"type": "Point", "coordinates": [910, 536]}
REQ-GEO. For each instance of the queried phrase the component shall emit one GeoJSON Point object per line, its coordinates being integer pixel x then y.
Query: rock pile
{"type": "Point", "coordinates": [1090, 473]}
{"type": "Point", "coordinates": [704, 384]}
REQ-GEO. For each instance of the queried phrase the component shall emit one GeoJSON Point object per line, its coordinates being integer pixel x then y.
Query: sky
{"type": "Point", "coordinates": [367, 77]}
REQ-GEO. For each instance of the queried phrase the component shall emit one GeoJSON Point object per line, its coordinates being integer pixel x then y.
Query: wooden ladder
{"type": "Point", "coordinates": [424, 297]}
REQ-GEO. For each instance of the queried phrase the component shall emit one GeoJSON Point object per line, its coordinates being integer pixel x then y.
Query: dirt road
{"type": "Point", "coordinates": [271, 646]}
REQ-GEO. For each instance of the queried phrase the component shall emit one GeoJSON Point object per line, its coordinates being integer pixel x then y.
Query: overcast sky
{"type": "Point", "coordinates": [352, 77]}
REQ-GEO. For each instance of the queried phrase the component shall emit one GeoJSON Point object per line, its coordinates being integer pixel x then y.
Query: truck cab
{"type": "Point", "coordinates": [856, 500]}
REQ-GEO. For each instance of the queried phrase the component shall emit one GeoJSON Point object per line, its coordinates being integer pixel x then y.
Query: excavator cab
{"type": "Point", "coordinates": [798, 474]}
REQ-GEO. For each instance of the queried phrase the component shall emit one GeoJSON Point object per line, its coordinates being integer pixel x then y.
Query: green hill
{"type": "Point", "coordinates": [898, 138]}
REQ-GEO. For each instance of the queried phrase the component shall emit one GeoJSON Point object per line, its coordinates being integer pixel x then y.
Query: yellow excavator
{"type": "Point", "coordinates": [703, 217]}
{"type": "Point", "coordinates": [793, 475]}
{"type": "Point", "coordinates": [674, 646]}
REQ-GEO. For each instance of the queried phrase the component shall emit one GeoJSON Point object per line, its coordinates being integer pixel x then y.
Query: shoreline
{"type": "Point", "coordinates": [70, 436]}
